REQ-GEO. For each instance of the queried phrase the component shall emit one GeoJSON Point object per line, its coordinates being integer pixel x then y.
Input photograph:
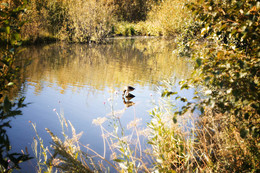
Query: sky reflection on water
{"type": "Point", "coordinates": [83, 81]}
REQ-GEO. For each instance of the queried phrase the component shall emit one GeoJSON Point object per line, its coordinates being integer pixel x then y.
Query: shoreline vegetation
{"type": "Point", "coordinates": [224, 137]}
{"type": "Point", "coordinates": [93, 21]}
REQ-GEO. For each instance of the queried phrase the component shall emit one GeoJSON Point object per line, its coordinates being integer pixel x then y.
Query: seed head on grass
{"type": "Point", "coordinates": [99, 121]}
{"type": "Point", "coordinates": [134, 123]}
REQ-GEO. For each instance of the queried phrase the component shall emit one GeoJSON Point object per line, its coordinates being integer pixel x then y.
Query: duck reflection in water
{"type": "Point", "coordinates": [128, 96]}
{"type": "Point", "coordinates": [128, 103]}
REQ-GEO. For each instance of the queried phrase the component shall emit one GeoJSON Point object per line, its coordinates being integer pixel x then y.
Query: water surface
{"type": "Point", "coordinates": [83, 81]}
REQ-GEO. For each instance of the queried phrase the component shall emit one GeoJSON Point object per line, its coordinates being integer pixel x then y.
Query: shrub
{"type": "Point", "coordinates": [164, 18]}
{"type": "Point", "coordinates": [226, 63]}
{"type": "Point", "coordinates": [73, 21]}
{"type": "Point", "coordinates": [88, 20]}
{"type": "Point", "coordinates": [170, 16]}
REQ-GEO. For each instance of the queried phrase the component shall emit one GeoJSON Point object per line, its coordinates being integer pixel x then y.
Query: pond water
{"type": "Point", "coordinates": [83, 81]}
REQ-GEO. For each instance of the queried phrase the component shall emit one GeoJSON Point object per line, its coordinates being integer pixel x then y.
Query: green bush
{"type": "Point", "coordinates": [226, 54]}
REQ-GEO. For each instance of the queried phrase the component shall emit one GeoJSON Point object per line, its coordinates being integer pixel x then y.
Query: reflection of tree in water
{"type": "Point", "coordinates": [12, 82]}
{"type": "Point", "coordinates": [10, 107]}
{"type": "Point", "coordinates": [121, 62]}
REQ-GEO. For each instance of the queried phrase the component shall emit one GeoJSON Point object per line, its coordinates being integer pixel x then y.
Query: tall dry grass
{"type": "Point", "coordinates": [68, 154]}
{"type": "Point", "coordinates": [189, 143]}
{"type": "Point", "coordinates": [164, 18]}
{"type": "Point", "coordinates": [73, 21]}
{"type": "Point", "coordinates": [200, 142]}
{"type": "Point", "coordinates": [92, 20]}
{"type": "Point", "coordinates": [88, 20]}
{"type": "Point", "coordinates": [170, 16]}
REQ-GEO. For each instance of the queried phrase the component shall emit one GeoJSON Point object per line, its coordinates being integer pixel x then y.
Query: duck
{"type": "Point", "coordinates": [127, 90]}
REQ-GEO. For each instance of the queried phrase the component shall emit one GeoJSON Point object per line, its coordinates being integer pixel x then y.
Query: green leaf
{"type": "Point", "coordinates": [195, 97]}
{"type": "Point", "coordinates": [181, 82]}
{"type": "Point", "coordinates": [171, 93]}
{"type": "Point", "coordinates": [186, 86]}
{"type": "Point", "coordinates": [164, 93]}
{"type": "Point", "coordinates": [10, 84]}
{"type": "Point", "coordinates": [119, 160]}
{"type": "Point", "coordinates": [7, 30]}
{"type": "Point", "coordinates": [167, 93]}
{"type": "Point", "coordinates": [16, 36]}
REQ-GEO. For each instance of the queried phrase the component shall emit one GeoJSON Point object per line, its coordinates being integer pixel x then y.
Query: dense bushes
{"type": "Point", "coordinates": [85, 21]}
{"type": "Point", "coordinates": [226, 54]}
{"type": "Point", "coordinates": [164, 18]}
{"type": "Point", "coordinates": [82, 21]}
{"type": "Point", "coordinates": [73, 21]}
{"type": "Point", "coordinates": [229, 68]}
{"type": "Point", "coordinates": [170, 16]}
